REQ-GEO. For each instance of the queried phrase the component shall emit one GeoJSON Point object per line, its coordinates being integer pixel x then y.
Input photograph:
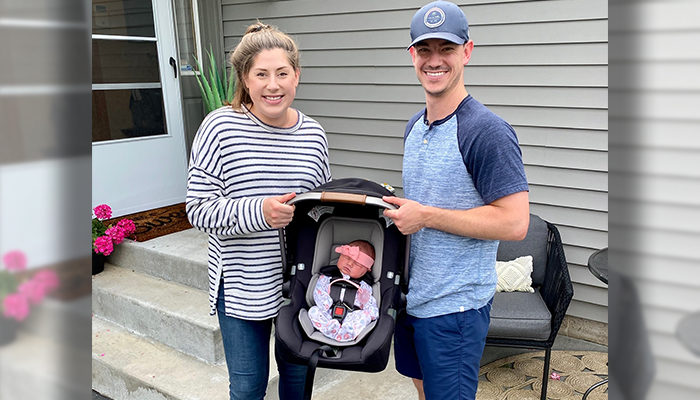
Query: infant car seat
{"type": "Point", "coordinates": [331, 215]}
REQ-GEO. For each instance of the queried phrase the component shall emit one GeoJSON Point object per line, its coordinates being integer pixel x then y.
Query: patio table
{"type": "Point", "coordinates": [687, 332]}
{"type": "Point", "coordinates": [629, 340]}
{"type": "Point", "coordinates": [598, 265]}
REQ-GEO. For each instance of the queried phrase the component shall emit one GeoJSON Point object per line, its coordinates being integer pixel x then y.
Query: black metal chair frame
{"type": "Point", "coordinates": [557, 292]}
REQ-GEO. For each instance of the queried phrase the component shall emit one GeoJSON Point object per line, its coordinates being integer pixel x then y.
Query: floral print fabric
{"type": "Point", "coordinates": [354, 322]}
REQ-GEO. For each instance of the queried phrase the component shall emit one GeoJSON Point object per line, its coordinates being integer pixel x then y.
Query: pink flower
{"type": "Point", "coordinates": [103, 211]}
{"type": "Point", "coordinates": [116, 233]}
{"type": "Point", "coordinates": [104, 245]}
{"type": "Point", "coordinates": [15, 260]}
{"type": "Point", "coordinates": [128, 226]}
{"type": "Point", "coordinates": [47, 278]}
{"type": "Point", "coordinates": [555, 376]}
{"type": "Point", "coordinates": [33, 291]}
{"type": "Point", "coordinates": [15, 306]}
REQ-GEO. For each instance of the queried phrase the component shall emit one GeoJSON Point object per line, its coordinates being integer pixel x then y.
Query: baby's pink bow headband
{"type": "Point", "coordinates": [355, 253]}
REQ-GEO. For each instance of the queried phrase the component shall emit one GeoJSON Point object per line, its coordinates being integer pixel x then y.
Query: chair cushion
{"type": "Point", "coordinates": [520, 315]}
{"type": "Point", "coordinates": [534, 244]}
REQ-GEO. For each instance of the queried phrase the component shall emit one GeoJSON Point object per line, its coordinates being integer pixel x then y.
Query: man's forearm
{"type": "Point", "coordinates": [504, 219]}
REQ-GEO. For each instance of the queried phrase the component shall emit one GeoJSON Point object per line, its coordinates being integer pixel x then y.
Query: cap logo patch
{"type": "Point", "coordinates": [434, 17]}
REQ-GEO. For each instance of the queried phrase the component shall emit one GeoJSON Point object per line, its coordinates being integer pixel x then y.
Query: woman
{"type": "Point", "coordinates": [248, 159]}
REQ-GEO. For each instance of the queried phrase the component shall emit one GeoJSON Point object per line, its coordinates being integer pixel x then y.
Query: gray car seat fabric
{"type": "Point", "coordinates": [334, 232]}
{"type": "Point", "coordinates": [534, 244]}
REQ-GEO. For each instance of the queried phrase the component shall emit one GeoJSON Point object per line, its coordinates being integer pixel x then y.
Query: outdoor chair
{"type": "Point", "coordinates": [532, 320]}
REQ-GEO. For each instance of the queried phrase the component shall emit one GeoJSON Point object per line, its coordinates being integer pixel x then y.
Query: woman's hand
{"type": "Point", "coordinates": [277, 214]}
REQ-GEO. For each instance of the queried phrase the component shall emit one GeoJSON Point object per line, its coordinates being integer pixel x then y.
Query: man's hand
{"type": "Point", "coordinates": [409, 217]}
{"type": "Point", "coordinates": [276, 213]}
{"type": "Point", "coordinates": [504, 219]}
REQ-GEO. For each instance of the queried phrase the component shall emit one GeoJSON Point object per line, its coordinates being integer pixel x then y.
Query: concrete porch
{"type": "Point", "coordinates": [153, 338]}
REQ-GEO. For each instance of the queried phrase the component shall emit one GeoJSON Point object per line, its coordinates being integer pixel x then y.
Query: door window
{"type": "Point", "coordinates": [187, 25]}
{"type": "Point", "coordinates": [127, 94]}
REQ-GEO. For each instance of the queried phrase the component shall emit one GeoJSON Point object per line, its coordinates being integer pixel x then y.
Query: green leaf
{"type": "Point", "coordinates": [204, 95]}
{"type": "Point", "coordinates": [207, 94]}
{"type": "Point", "coordinates": [216, 87]}
{"type": "Point", "coordinates": [225, 82]}
{"type": "Point", "coordinates": [8, 284]}
{"type": "Point", "coordinates": [231, 84]}
{"type": "Point", "coordinates": [98, 229]}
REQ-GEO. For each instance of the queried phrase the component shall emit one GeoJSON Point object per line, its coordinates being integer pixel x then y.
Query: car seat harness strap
{"type": "Point", "coordinates": [342, 291]}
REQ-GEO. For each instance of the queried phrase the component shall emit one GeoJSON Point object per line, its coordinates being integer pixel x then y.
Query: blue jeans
{"type": "Point", "coordinates": [247, 352]}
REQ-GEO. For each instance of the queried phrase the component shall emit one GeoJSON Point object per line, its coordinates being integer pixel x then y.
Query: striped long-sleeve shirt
{"type": "Point", "coordinates": [237, 161]}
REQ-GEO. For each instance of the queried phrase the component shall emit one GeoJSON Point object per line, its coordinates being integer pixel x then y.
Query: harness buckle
{"type": "Point", "coordinates": [340, 310]}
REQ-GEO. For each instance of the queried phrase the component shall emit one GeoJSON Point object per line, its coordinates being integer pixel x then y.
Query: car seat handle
{"type": "Point", "coordinates": [344, 197]}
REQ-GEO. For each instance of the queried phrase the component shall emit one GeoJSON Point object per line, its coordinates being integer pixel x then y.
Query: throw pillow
{"type": "Point", "coordinates": [515, 275]}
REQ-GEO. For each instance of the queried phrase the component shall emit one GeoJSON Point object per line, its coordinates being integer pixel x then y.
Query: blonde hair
{"type": "Point", "coordinates": [258, 37]}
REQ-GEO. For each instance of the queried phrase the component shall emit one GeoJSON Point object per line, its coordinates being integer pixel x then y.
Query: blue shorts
{"type": "Point", "coordinates": [443, 351]}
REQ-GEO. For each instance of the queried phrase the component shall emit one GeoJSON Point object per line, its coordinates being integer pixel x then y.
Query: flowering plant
{"type": "Point", "coordinates": [104, 237]}
{"type": "Point", "coordinates": [16, 295]}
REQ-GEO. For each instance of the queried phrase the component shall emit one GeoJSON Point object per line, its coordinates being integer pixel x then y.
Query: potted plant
{"type": "Point", "coordinates": [105, 237]}
{"type": "Point", "coordinates": [217, 90]}
{"type": "Point", "coordinates": [20, 290]}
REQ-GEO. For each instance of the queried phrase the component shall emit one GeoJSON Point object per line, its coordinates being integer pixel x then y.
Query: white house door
{"type": "Point", "coordinates": [139, 161]}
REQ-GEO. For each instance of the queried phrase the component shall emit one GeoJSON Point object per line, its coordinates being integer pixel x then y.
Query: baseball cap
{"type": "Point", "coordinates": [439, 20]}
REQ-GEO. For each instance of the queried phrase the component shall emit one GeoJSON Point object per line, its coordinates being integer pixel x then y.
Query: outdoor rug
{"type": "Point", "coordinates": [158, 222]}
{"type": "Point", "coordinates": [519, 377]}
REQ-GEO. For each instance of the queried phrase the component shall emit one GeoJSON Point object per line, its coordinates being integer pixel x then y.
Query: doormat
{"type": "Point", "coordinates": [519, 377]}
{"type": "Point", "coordinates": [158, 222]}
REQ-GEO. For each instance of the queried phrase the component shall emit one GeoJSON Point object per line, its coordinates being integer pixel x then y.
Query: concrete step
{"type": "Point", "coordinates": [126, 366]}
{"type": "Point", "coordinates": [129, 367]}
{"type": "Point", "coordinates": [36, 367]}
{"type": "Point", "coordinates": [178, 257]}
{"type": "Point", "coordinates": [64, 322]}
{"type": "Point", "coordinates": [168, 312]}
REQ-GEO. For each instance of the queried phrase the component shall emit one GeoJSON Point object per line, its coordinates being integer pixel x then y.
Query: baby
{"type": "Point", "coordinates": [336, 318]}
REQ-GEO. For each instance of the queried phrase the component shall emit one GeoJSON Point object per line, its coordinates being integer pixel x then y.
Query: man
{"type": "Point", "coordinates": [465, 189]}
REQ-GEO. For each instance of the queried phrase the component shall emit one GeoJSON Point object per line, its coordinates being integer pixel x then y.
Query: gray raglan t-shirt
{"type": "Point", "coordinates": [466, 160]}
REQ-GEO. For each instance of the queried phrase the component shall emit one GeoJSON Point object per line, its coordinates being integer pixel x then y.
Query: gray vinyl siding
{"type": "Point", "coordinates": [656, 179]}
{"type": "Point", "coordinates": [541, 65]}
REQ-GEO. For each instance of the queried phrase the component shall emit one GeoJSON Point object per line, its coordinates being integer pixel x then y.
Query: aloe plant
{"type": "Point", "coordinates": [217, 89]}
